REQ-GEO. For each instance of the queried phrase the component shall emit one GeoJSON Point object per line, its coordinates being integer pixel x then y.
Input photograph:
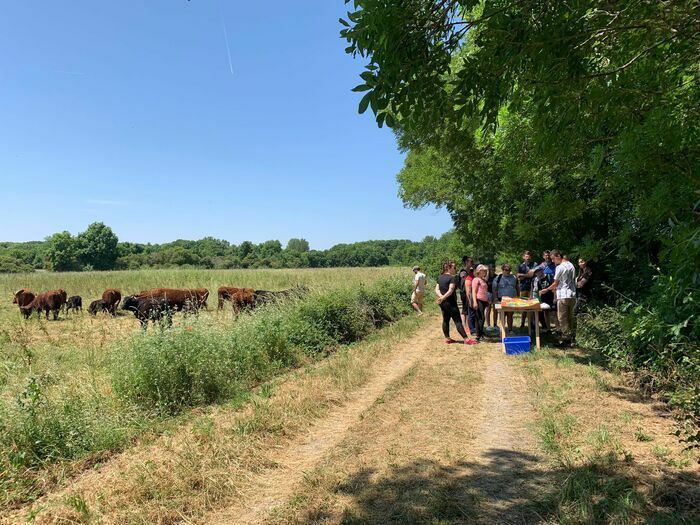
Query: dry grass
{"type": "Point", "coordinates": [606, 437]}
{"type": "Point", "coordinates": [211, 458]}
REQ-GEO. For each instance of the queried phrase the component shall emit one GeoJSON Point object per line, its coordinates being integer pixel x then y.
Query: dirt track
{"type": "Point", "coordinates": [473, 401]}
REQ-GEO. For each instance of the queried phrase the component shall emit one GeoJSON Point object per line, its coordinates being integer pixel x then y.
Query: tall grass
{"type": "Point", "coordinates": [133, 383]}
{"type": "Point", "coordinates": [196, 364]}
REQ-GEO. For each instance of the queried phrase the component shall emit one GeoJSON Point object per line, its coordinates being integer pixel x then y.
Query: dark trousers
{"type": "Point", "coordinates": [471, 318]}
{"type": "Point", "coordinates": [450, 311]}
{"type": "Point", "coordinates": [480, 315]}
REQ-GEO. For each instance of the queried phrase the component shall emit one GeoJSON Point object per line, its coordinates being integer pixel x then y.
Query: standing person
{"type": "Point", "coordinates": [525, 280]}
{"type": "Point", "coordinates": [461, 287]}
{"type": "Point", "coordinates": [480, 298]}
{"type": "Point", "coordinates": [548, 297]}
{"type": "Point", "coordinates": [583, 285]}
{"type": "Point", "coordinates": [418, 295]}
{"type": "Point", "coordinates": [490, 308]}
{"type": "Point", "coordinates": [506, 285]}
{"type": "Point", "coordinates": [540, 281]}
{"type": "Point", "coordinates": [469, 313]}
{"type": "Point", "coordinates": [565, 285]}
{"type": "Point", "coordinates": [446, 298]}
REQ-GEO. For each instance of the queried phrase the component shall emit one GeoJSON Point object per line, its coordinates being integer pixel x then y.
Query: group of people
{"type": "Point", "coordinates": [553, 281]}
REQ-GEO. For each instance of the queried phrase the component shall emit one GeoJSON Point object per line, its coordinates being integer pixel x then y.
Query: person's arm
{"type": "Point", "coordinates": [437, 292]}
{"type": "Point", "coordinates": [582, 279]}
{"type": "Point", "coordinates": [517, 287]}
{"type": "Point", "coordinates": [449, 292]}
{"type": "Point", "coordinates": [475, 290]}
{"type": "Point", "coordinates": [519, 276]}
{"type": "Point", "coordinates": [415, 283]}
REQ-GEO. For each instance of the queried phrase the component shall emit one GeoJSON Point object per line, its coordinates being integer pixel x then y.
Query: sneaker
{"type": "Point", "coordinates": [470, 342]}
{"type": "Point", "coordinates": [449, 341]}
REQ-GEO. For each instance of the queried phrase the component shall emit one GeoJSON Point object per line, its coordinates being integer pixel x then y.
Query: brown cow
{"type": "Point", "coordinates": [52, 300]}
{"type": "Point", "coordinates": [111, 298]}
{"type": "Point", "coordinates": [241, 298]}
{"type": "Point", "coordinates": [186, 299]}
{"type": "Point", "coordinates": [22, 297]}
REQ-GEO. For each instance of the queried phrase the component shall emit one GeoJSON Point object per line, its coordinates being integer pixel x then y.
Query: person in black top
{"type": "Point", "coordinates": [445, 289]}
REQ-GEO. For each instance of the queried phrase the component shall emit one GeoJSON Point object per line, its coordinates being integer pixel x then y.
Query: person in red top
{"type": "Point", "coordinates": [480, 298]}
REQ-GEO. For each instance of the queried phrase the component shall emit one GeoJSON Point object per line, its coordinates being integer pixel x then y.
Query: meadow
{"type": "Point", "coordinates": [76, 389]}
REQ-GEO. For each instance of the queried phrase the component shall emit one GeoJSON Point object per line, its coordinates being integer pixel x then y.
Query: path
{"type": "Point", "coordinates": [495, 409]}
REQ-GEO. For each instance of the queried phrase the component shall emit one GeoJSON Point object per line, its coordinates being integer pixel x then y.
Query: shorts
{"type": "Point", "coordinates": [418, 298]}
{"type": "Point", "coordinates": [525, 294]}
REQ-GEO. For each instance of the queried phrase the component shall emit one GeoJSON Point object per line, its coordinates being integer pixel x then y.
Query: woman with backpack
{"type": "Point", "coordinates": [506, 285]}
{"type": "Point", "coordinates": [445, 289]}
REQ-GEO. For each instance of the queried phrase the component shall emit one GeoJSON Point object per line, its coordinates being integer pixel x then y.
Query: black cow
{"type": "Point", "coordinates": [149, 308]}
{"type": "Point", "coordinates": [100, 305]}
{"type": "Point", "coordinates": [75, 302]}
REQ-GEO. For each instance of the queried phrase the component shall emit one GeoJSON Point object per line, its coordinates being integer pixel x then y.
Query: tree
{"type": "Point", "coordinates": [297, 245]}
{"type": "Point", "coordinates": [583, 115]}
{"type": "Point", "coordinates": [98, 247]}
{"type": "Point", "coordinates": [62, 252]}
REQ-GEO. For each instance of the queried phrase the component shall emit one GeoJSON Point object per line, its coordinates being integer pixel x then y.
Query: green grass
{"type": "Point", "coordinates": [58, 380]}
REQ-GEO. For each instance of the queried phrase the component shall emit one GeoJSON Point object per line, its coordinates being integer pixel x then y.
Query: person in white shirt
{"type": "Point", "coordinates": [565, 286]}
{"type": "Point", "coordinates": [418, 295]}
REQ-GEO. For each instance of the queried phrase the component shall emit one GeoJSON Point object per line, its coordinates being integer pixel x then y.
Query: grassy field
{"type": "Point", "coordinates": [57, 377]}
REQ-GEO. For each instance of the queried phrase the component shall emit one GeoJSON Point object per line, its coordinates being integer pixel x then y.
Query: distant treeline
{"type": "Point", "coordinates": [98, 248]}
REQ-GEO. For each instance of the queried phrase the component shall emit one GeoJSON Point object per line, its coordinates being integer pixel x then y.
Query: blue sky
{"type": "Point", "coordinates": [130, 113]}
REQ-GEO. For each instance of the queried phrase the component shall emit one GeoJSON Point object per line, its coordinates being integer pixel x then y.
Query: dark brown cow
{"type": "Point", "coordinates": [241, 298]}
{"type": "Point", "coordinates": [187, 299]}
{"type": "Point", "coordinates": [111, 298]}
{"type": "Point", "coordinates": [52, 300]}
{"type": "Point", "coordinates": [22, 297]}
{"type": "Point", "coordinates": [149, 309]}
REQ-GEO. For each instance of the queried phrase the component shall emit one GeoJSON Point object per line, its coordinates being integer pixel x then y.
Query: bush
{"type": "Point", "coordinates": [39, 428]}
{"type": "Point", "coordinates": [198, 364]}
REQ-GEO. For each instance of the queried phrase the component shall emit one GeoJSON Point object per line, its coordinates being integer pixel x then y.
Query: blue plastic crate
{"type": "Point", "coordinates": [517, 345]}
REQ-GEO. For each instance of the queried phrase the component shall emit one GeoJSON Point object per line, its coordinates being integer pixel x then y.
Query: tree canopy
{"type": "Point", "coordinates": [536, 124]}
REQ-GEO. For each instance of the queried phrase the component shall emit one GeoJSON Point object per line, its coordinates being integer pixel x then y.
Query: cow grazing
{"type": "Point", "coordinates": [241, 298]}
{"type": "Point", "coordinates": [185, 299]}
{"type": "Point", "coordinates": [149, 309]}
{"type": "Point", "coordinates": [74, 302]}
{"type": "Point", "coordinates": [22, 297]}
{"type": "Point", "coordinates": [98, 305]}
{"type": "Point", "coordinates": [111, 298]}
{"type": "Point", "coordinates": [52, 300]}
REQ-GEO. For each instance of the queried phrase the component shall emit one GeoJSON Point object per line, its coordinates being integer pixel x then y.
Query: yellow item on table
{"type": "Point", "coordinates": [516, 302]}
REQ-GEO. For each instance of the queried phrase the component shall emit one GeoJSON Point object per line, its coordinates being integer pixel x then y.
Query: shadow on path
{"type": "Point", "coordinates": [513, 488]}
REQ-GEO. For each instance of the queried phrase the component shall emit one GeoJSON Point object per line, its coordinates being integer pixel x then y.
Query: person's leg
{"type": "Point", "coordinates": [483, 305]}
{"type": "Point", "coordinates": [445, 320]}
{"type": "Point", "coordinates": [572, 319]}
{"type": "Point", "coordinates": [454, 314]}
{"type": "Point", "coordinates": [509, 321]}
{"type": "Point", "coordinates": [487, 314]}
{"type": "Point", "coordinates": [564, 313]}
{"type": "Point", "coordinates": [495, 314]}
{"type": "Point", "coordinates": [471, 318]}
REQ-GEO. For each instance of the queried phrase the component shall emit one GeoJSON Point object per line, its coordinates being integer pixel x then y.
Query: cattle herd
{"type": "Point", "coordinates": [157, 304]}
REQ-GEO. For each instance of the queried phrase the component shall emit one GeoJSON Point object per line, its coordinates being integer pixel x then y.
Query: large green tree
{"type": "Point", "coordinates": [98, 247]}
{"type": "Point", "coordinates": [62, 252]}
{"type": "Point", "coordinates": [541, 123]}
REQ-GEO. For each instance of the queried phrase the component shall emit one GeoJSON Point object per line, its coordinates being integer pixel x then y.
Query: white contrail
{"type": "Point", "coordinates": [228, 50]}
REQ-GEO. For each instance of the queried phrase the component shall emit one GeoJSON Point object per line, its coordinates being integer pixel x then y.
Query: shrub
{"type": "Point", "coordinates": [198, 364]}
